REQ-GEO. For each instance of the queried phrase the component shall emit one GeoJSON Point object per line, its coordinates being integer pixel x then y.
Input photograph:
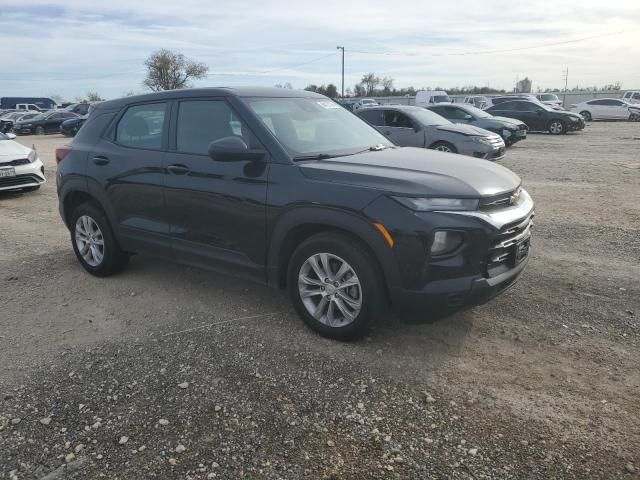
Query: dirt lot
{"type": "Point", "coordinates": [169, 372]}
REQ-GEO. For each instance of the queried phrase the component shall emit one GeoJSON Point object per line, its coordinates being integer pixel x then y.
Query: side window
{"type": "Point", "coordinates": [201, 122]}
{"type": "Point", "coordinates": [597, 102]}
{"type": "Point", "coordinates": [141, 126]}
{"type": "Point", "coordinates": [508, 106]}
{"type": "Point", "coordinates": [440, 111]}
{"type": "Point", "coordinates": [397, 119]}
{"type": "Point", "coordinates": [636, 96]}
{"type": "Point", "coordinates": [55, 116]}
{"type": "Point", "coordinates": [454, 113]}
{"type": "Point", "coordinates": [527, 107]}
{"type": "Point", "coordinates": [374, 117]}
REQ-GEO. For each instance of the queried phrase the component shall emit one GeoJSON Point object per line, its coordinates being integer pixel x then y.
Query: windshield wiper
{"type": "Point", "coordinates": [372, 148]}
{"type": "Point", "coordinates": [318, 156]}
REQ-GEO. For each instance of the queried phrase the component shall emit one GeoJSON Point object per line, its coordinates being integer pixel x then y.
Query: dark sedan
{"type": "Point", "coordinates": [44, 123]}
{"type": "Point", "coordinates": [539, 117]}
{"type": "Point", "coordinates": [509, 129]}
{"type": "Point", "coordinates": [70, 127]}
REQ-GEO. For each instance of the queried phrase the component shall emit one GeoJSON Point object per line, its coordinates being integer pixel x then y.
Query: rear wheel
{"type": "Point", "coordinates": [557, 127]}
{"type": "Point", "coordinates": [335, 286]}
{"type": "Point", "coordinates": [586, 115]}
{"type": "Point", "coordinates": [444, 147]}
{"type": "Point", "coordinates": [94, 243]}
{"type": "Point", "coordinates": [39, 130]}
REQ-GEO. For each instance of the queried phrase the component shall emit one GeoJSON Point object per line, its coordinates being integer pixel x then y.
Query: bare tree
{"type": "Point", "coordinates": [167, 70]}
{"type": "Point", "coordinates": [94, 97]}
{"type": "Point", "coordinates": [370, 81]}
{"type": "Point", "coordinates": [56, 98]}
{"type": "Point", "coordinates": [387, 85]}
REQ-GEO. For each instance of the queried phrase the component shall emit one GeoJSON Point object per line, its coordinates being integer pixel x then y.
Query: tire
{"type": "Point", "coordinates": [113, 259]}
{"type": "Point", "coordinates": [367, 292]}
{"type": "Point", "coordinates": [634, 117]}
{"type": "Point", "coordinates": [557, 127]}
{"type": "Point", "coordinates": [31, 189]}
{"type": "Point", "coordinates": [586, 115]}
{"type": "Point", "coordinates": [444, 147]}
{"type": "Point", "coordinates": [39, 130]}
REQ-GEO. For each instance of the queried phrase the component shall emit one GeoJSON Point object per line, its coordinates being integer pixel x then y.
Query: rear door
{"type": "Point", "coordinates": [126, 166]}
{"type": "Point", "coordinates": [217, 210]}
{"type": "Point", "coordinates": [619, 110]}
{"type": "Point", "coordinates": [597, 109]}
{"type": "Point", "coordinates": [402, 130]}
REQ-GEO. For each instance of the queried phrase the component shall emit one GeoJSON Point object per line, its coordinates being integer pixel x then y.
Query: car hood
{"type": "Point", "coordinates": [507, 120]}
{"type": "Point", "coordinates": [463, 129]}
{"type": "Point", "coordinates": [415, 171]}
{"type": "Point", "coordinates": [10, 150]}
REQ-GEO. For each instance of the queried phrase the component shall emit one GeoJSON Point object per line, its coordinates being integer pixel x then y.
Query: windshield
{"type": "Point", "coordinates": [369, 101]}
{"type": "Point", "coordinates": [306, 126]}
{"type": "Point", "coordinates": [548, 97]}
{"type": "Point", "coordinates": [476, 112]}
{"type": "Point", "coordinates": [441, 99]}
{"type": "Point", "coordinates": [428, 118]}
{"type": "Point", "coordinates": [40, 116]}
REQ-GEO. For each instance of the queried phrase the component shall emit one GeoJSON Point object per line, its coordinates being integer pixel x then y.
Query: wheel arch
{"type": "Point", "coordinates": [300, 224]}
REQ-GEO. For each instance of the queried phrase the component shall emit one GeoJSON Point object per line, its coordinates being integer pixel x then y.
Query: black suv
{"type": "Point", "coordinates": [290, 189]}
{"type": "Point", "coordinates": [539, 117]}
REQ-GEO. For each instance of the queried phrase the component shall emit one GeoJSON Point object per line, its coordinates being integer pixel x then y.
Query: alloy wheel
{"type": "Point", "coordinates": [443, 148]}
{"type": "Point", "coordinates": [330, 289]}
{"type": "Point", "coordinates": [556, 127]}
{"type": "Point", "coordinates": [89, 240]}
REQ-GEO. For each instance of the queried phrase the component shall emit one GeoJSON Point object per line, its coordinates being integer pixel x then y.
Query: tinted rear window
{"type": "Point", "coordinates": [141, 126]}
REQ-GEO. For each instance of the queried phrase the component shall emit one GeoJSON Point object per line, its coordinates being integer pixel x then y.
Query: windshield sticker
{"type": "Point", "coordinates": [328, 105]}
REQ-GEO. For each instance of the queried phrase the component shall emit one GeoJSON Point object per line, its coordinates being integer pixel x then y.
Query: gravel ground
{"type": "Point", "coordinates": [169, 372]}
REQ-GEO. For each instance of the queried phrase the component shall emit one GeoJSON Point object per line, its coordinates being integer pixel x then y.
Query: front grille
{"type": "Point", "coordinates": [495, 141]}
{"type": "Point", "coordinates": [509, 246]}
{"type": "Point", "coordinates": [497, 202]}
{"type": "Point", "coordinates": [498, 153]}
{"type": "Point", "coordinates": [15, 163]}
{"type": "Point", "coordinates": [19, 180]}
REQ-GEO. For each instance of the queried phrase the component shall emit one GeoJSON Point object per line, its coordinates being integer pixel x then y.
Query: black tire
{"type": "Point", "coordinates": [444, 146]}
{"type": "Point", "coordinates": [114, 259]}
{"type": "Point", "coordinates": [634, 117]}
{"type": "Point", "coordinates": [557, 127]}
{"type": "Point", "coordinates": [586, 115]}
{"type": "Point", "coordinates": [31, 189]}
{"type": "Point", "coordinates": [371, 281]}
{"type": "Point", "coordinates": [39, 130]}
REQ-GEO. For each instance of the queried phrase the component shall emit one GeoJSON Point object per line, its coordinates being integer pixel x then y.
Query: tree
{"type": "Point", "coordinates": [311, 88]}
{"type": "Point", "coordinates": [331, 91]}
{"type": "Point", "coordinates": [56, 98]}
{"type": "Point", "coordinates": [94, 97]}
{"type": "Point", "coordinates": [167, 70]}
{"type": "Point", "coordinates": [387, 85]}
{"type": "Point", "coordinates": [370, 81]}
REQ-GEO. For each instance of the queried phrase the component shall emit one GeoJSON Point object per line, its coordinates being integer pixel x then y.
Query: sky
{"type": "Point", "coordinates": [71, 47]}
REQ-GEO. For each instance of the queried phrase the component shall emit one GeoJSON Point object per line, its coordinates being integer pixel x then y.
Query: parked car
{"type": "Point", "coordinates": [7, 121]}
{"type": "Point", "coordinates": [79, 108]}
{"type": "Point", "coordinates": [430, 97]}
{"type": "Point", "coordinates": [607, 109]}
{"type": "Point", "coordinates": [631, 96]}
{"type": "Point", "coordinates": [20, 167]}
{"type": "Point", "coordinates": [477, 101]}
{"type": "Point", "coordinates": [539, 117]}
{"type": "Point", "coordinates": [44, 123]}
{"type": "Point", "coordinates": [70, 127]}
{"type": "Point", "coordinates": [550, 99]}
{"type": "Point", "coordinates": [509, 129]}
{"type": "Point", "coordinates": [43, 103]}
{"type": "Point", "coordinates": [418, 127]}
{"type": "Point", "coordinates": [364, 103]}
{"type": "Point", "coordinates": [508, 98]}
{"type": "Point", "coordinates": [288, 188]}
{"type": "Point", "coordinates": [30, 107]}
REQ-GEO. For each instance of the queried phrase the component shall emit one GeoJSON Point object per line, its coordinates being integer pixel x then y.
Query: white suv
{"type": "Point", "coordinates": [631, 97]}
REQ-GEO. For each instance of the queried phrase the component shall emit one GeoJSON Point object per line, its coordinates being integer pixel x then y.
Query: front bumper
{"type": "Point", "coordinates": [20, 130]}
{"type": "Point", "coordinates": [493, 152]}
{"type": "Point", "coordinates": [29, 175]}
{"type": "Point", "coordinates": [575, 126]}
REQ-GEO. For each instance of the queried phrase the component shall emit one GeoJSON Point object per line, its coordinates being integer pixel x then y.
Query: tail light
{"type": "Point", "coordinates": [62, 152]}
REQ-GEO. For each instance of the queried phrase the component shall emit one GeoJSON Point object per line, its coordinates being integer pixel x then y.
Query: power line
{"type": "Point", "coordinates": [487, 52]}
{"type": "Point", "coordinates": [261, 72]}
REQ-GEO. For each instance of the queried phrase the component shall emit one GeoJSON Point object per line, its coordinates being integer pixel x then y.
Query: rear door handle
{"type": "Point", "coordinates": [100, 160]}
{"type": "Point", "coordinates": [178, 169]}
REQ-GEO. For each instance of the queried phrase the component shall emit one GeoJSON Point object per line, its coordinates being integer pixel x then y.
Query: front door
{"type": "Point", "coordinates": [402, 130]}
{"type": "Point", "coordinates": [217, 209]}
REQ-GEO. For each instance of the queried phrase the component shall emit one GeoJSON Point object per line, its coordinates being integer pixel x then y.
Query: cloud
{"type": "Point", "coordinates": [73, 46]}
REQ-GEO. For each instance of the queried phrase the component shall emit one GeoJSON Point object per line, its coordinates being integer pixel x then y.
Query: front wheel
{"type": "Point", "coordinates": [444, 147]}
{"type": "Point", "coordinates": [335, 286]}
{"type": "Point", "coordinates": [39, 130]}
{"type": "Point", "coordinates": [557, 127]}
{"type": "Point", "coordinates": [634, 117]}
{"type": "Point", "coordinates": [586, 115]}
{"type": "Point", "coordinates": [94, 242]}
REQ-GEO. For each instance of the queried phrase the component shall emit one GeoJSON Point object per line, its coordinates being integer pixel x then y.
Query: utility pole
{"type": "Point", "coordinates": [342, 48]}
{"type": "Point", "coordinates": [566, 83]}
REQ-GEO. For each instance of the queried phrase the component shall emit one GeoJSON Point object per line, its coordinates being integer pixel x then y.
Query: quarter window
{"type": "Point", "coordinates": [141, 126]}
{"type": "Point", "coordinates": [397, 119]}
{"type": "Point", "coordinates": [201, 122]}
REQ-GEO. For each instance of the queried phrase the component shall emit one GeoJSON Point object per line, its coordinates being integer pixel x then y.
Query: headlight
{"type": "Point", "coordinates": [506, 132]}
{"type": "Point", "coordinates": [482, 140]}
{"type": "Point", "coordinates": [574, 119]}
{"type": "Point", "coordinates": [422, 204]}
{"type": "Point", "coordinates": [445, 241]}
{"type": "Point", "coordinates": [33, 156]}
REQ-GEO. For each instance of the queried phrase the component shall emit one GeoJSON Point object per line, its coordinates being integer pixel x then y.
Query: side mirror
{"type": "Point", "coordinates": [233, 149]}
{"type": "Point", "coordinates": [468, 117]}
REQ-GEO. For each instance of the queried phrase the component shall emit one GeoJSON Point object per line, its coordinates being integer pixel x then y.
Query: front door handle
{"type": "Point", "coordinates": [178, 169]}
{"type": "Point", "coordinates": [100, 160]}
